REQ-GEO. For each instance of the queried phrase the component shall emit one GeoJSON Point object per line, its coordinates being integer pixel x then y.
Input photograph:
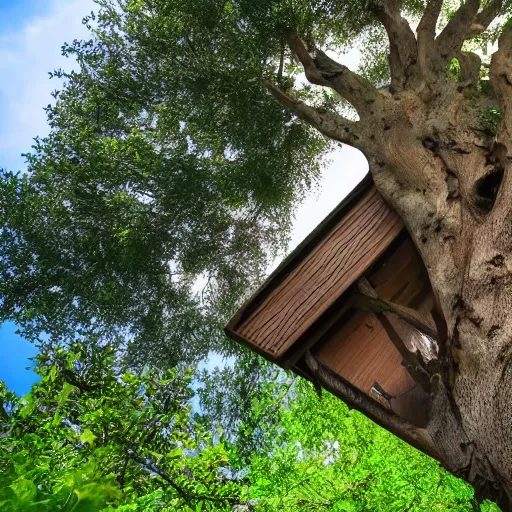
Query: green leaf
{"type": "Point", "coordinates": [53, 372]}
{"type": "Point", "coordinates": [345, 506]}
{"type": "Point", "coordinates": [87, 437]}
{"type": "Point", "coordinates": [24, 489]}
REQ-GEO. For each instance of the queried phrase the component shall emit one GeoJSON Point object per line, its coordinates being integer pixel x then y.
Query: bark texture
{"type": "Point", "coordinates": [445, 166]}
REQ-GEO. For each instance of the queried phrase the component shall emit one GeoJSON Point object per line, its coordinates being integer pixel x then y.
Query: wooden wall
{"type": "Point", "coordinates": [358, 347]}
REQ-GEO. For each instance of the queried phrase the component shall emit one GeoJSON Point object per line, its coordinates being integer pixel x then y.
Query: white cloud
{"type": "Point", "coordinates": [26, 57]}
{"type": "Point", "coordinates": [347, 168]}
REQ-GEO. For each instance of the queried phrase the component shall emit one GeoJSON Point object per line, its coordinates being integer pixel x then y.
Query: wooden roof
{"type": "Point", "coordinates": [316, 273]}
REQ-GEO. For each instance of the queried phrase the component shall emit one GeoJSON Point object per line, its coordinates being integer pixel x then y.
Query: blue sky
{"type": "Point", "coordinates": [31, 35]}
{"type": "Point", "coordinates": [14, 13]}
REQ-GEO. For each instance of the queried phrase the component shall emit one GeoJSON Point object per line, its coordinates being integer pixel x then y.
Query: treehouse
{"type": "Point", "coordinates": [351, 309]}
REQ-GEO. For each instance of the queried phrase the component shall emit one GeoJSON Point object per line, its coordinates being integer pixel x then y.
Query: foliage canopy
{"type": "Point", "coordinates": [169, 168]}
{"type": "Point", "coordinates": [93, 435]}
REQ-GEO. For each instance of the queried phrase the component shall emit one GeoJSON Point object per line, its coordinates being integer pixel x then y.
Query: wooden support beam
{"type": "Point", "coordinates": [368, 300]}
{"type": "Point", "coordinates": [355, 398]}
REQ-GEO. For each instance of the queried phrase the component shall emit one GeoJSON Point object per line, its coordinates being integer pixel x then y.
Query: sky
{"type": "Point", "coordinates": [31, 35]}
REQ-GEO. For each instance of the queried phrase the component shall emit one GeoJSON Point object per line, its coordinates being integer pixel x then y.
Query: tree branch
{"type": "Point", "coordinates": [151, 466]}
{"type": "Point", "coordinates": [450, 40]}
{"type": "Point", "coordinates": [121, 477]}
{"type": "Point", "coordinates": [414, 362]}
{"type": "Point", "coordinates": [312, 72]}
{"type": "Point", "coordinates": [410, 316]}
{"type": "Point", "coordinates": [402, 43]}
{"type": "Point", "coordinates": [368, 300]}
{"type": "Point", "coordinates": [72, 378]}
{"type": "Point", "coordinates": [484, 18]}
{"type": "Point", "coordinates": [328, 123]}
{"type": "Point", "coordinates": [428, 22]}
{"type": "Point", "coordinates": [501, 78]}
{"type": "Point", "coordinates": [281, 63]}
{"type": "Point", "coordinates": [470, 64]}
{"type": "Point", "coordinates": [322, 70]}
{"type": "Point", "coordinates": [426, 33]}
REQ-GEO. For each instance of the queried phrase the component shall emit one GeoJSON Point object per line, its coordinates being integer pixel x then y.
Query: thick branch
{"type": "Point", "coordinates": [312, 73]}
{"type": "Point", "coordinates": [369, 301]}
{"type": "Point", "coordinates": [484, 18]}
{"type": "Point", "coordinates": [426, 33]}
{"type": "Point", "coordinates": [451, 39]}
{"type": "Point", "coordinates": [470, 64]}
{"type": "Point", "coordinates": [329, 124]}
{"type": "Point", "coordinates": [322, 70]}
{"type": "Point", "coordinates": [402, 43]}
{"type": "Point", "coordinates": [501, 79]}
{"type": "Point", "coordinates": [413, 318]}
{"type": "Point", "coordinates": [428, 23]}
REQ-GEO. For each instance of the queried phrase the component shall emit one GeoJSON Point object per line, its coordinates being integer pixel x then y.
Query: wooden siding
{"type": "Point", "coordinates": [342, 255]}
{"type": "Point", "coordinates": [362, 352]}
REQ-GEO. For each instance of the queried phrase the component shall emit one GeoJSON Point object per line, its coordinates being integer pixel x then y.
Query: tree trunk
{"type": "Point", "coordinates": [452, 191]}
{"type": "Point", "coordinates": [442, 158]}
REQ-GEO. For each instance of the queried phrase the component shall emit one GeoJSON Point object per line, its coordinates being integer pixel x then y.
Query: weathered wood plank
{"type": "Point", "coordinates": [344, 254]}
{"type": "Point", "coordinates": [360, 350]}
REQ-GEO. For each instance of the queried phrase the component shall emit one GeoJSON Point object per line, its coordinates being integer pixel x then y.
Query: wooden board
{"type": "Point", "coordinates": [363, 354]}
{"type": "Point", "coordinates": [358, 348]}
{"type": "Point", "coordinates": [342, 255]}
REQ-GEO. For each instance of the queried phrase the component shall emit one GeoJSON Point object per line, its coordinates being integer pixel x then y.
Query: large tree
{"type": "Point", "coordinates": [168, 159]}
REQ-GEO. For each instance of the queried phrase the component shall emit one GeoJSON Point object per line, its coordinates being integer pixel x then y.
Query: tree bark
{"type": "Point", "coordinates": [448, 184]}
